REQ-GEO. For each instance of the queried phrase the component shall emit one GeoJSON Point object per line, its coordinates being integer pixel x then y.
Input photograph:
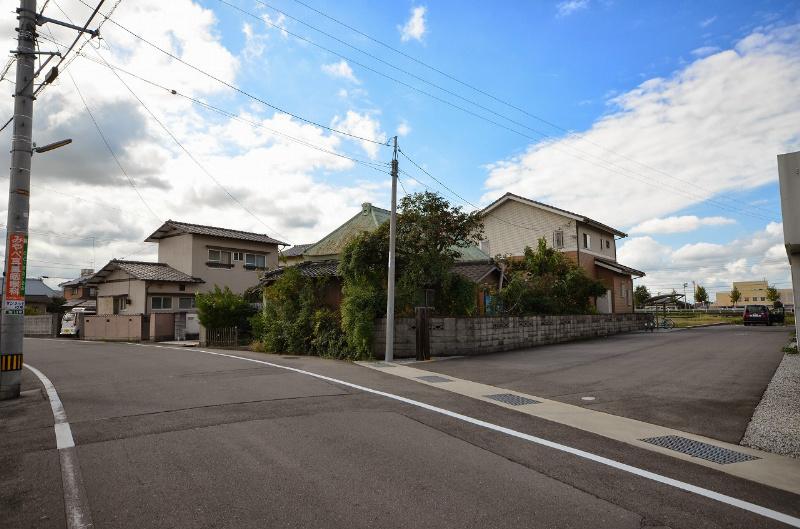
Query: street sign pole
{"type": "Point", "coordinates": [12, 319]}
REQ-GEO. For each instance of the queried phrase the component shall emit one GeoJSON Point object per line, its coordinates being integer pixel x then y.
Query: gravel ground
{"type": "Point", "coordinates": [775, 426]}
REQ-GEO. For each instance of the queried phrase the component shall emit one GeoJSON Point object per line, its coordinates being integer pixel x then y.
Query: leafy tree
{"type": "Point", "coordinates": [429, 234]}
{"type": "Point", "coordinates": [549, 282]}
{"type": "Point", "coordinates": [772, 294]}
{"type": "Point", "coordinates": [640, 295]}
{"type": "Point", "coordinates": [222, 308]}
{"type": "Point", "coordinates": [56, 305]}
{"type": "Point", "coordinates": [735, 296]}
{"type": "Point", "coordinates": [701, 295]}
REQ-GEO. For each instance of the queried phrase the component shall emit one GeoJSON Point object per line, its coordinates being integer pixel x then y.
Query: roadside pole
{"type": "Point", "coordinates": [789, 178]}
{"type": "Point", "coordinates": [389, 356]}
{"type": "Point", "coordinates": [12, 319]}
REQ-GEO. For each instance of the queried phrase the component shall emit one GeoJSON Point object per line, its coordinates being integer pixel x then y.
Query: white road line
{"type": "Point", "coordinates": [76, 507]}
{"type": "Point", "coordinates": [688, 487]}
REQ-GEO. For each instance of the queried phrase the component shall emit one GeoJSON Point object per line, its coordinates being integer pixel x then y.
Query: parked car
{"type": "Point", "coordinates": [70, 324]}
{"type": "Point", "coordinates": [756, 314]}
{"type": "Point", "coordinates": [777, 315]}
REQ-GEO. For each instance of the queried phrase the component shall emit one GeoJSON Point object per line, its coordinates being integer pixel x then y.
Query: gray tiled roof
{"type": "Point", "coordinates": [172, 227]}
{"type": "Point", "coordinates": [475, 271]}
{"type": "Point", "coordinates": [145, 271]}
{"type": "Point", "coordinates": [297, 250]}
{"type": "Point", "coordinates": [36, 287]}
{"type": "Point", "coordinates": [327, 268]}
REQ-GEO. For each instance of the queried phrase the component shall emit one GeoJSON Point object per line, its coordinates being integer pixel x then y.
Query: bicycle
{"type": "Point", "coordinates": [666, 323]}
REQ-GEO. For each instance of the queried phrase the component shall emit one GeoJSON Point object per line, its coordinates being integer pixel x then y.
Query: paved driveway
{"type": "Point", "coordinates": [706, 381]}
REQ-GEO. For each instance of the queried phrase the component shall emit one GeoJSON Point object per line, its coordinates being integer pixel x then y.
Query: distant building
{"type": "Point", "coordinates": [78, 293]}
{"type": "Point", "coordinates": [752, 292]}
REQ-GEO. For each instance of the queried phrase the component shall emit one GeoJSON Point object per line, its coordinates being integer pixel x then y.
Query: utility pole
{"type": "Point", "coordinates": [389, 356]}
{"type": "Point", "coordinates": [12, 320]}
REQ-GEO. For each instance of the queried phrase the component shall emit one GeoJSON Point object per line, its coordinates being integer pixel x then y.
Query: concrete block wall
{"type": "Point", "coordinates": [41, 324]}
{"type": "Point", "coordinates": [471, 336]}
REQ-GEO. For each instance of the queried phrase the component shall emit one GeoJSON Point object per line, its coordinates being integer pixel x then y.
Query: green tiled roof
{"type": "Point", "coordinates": [369, 218]}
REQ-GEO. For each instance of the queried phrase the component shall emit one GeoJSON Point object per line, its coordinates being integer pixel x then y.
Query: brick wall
{"type": "Point", "coordinates": [471, 336]}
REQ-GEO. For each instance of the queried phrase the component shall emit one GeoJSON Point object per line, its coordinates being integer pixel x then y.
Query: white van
{"type": "Point", "coordinates": [70, 321]}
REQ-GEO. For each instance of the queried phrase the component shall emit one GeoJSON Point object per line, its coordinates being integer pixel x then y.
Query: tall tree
{"type": "Point", "coordinates": [700, 295]}
{"type": "Point", "coordinates": [772, 294]}
{"type": "Point", "coordinates": [735, 295]}
{"type": "Point", "coordinates": [640, 295]}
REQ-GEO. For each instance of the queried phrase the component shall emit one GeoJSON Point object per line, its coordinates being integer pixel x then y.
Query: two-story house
{"type": "Point", "coordinates": [192, 258]}
{"type": "Point", "coordinates": [513, 222]}
{"type": "Point", "coordinates": [77, 293]}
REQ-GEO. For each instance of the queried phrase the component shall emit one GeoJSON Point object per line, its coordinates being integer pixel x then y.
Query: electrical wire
{"type": "Point", "coordinates": [380, 166]}
{"type": "Point", "coordinates": [111, 150]}
{"type": "Point", "coordinates": [236, 88]}
{"type": "Point", "coordinates": [476, 89]}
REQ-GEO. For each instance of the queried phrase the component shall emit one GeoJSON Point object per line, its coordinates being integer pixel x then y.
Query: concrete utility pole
{"type": "Point", "coordinates": [389, 356]}
{"type": "Point", "coordinates": [789, 178]}
{"type": "Point", "coordinates": [12, 320]}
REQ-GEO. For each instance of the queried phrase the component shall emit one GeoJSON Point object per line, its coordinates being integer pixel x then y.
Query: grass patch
{"type": "Point", "coordinates": [692, 320]}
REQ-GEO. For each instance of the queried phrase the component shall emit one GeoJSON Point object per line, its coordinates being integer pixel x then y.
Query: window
{"type": "Point", "coordinates": [558, 239]}
{"type": "Point", "coordinates": [160, 302]}
{"type": "Point", "coordinates": [587, 241]}
{"type": "Point", "coordinates": [747, 299]}
{"type": "Point", "coordinates": [237, 256]}
{"type": "Point", "coordinates": [608, 244]}
{"type": "Point", "coordinates": [75, 291]}
{"type": "Point", "coordinates": [92, 292]}
{"type": "Point", "coordinates": [119, 304]}
{"type": "Point", "coordinates": [219, 256]}
{"type": "Point", "coordinates": [186, 303]}
{"type": "Point", "coordinates": [255, 260]}
{"type": "Point", "coordinates": [181, 287]}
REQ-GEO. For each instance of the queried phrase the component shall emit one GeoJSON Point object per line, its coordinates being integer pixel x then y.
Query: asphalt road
{"type": "Point", "coordinates": [179, 438]}
{"type": "Point", "coordinates": [706, 381]}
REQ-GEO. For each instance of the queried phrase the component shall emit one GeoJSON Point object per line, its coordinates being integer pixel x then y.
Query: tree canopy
{"type": "Point", "coordinates": [735, 295]}
{"type": "Point", "coordinates": [700, 294]}
{"type": "Point", "coordinates": [641, 295]}
{"type": "Point", "coordinates": [547, 281]}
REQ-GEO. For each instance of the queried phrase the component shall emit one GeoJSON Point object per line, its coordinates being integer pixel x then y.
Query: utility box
{"type": "Point", "coordinates": [789, 176]}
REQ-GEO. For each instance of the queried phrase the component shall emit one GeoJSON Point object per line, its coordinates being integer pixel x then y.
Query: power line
{"type": "Point", "coordinates": [111, 150]}
{"type": "Point", "coordinates": [644, 180]}
{"type": "Point", "coordinates": [380, 166]}
{"type": "Point", "coordinates": [234, 87]}
{"type": "Point", "coordinates": [175, 139]}
{"type": "Point", "coordinates": [470, 86]}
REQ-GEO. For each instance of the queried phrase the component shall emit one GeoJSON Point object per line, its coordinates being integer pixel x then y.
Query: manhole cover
{"type": "Point", "coordinates": [433, 378]}
{"type": "Point", "coordinates": [510, 398]}
{"type": "Point", "coordinates": [715, 454]}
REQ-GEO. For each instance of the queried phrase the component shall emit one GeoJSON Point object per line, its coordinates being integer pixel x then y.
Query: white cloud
{"type": "Point", "coordinates": [403, 129]}
{"type": "Point", "coordinates": [415, 27]}
{"type": "Point", "coordinates": [759, 255]}
{"type": "Point", "coordinates": [341, 70]}
{"type": "Point", "coordinates": [714, 126]}
{"type": "Point", "coordinates": [704, 51]}
{"type": "Point", "coordinates": [708, 21]}
{"type": "Point", "coordinates": [680, 224]}
{"type": "Point", "coordinates": [568, 7]}
{"type": "Point", "coordinates": [254, 43]}
{"type": "Point", "coordinates": [80, 195]}
{"type": "Point", "coordinates": [362, 125]}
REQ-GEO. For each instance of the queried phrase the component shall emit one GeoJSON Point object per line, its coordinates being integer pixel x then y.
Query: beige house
{"type": "Point", "coordinates": [752, 292]}
{"type": "Point", "coordinates": [191, 258]}
{"type": "Point", "coordinates": [513, 222]}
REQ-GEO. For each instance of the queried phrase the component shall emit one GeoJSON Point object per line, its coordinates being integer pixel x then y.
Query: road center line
{"type": "Point", "coordinates": [76, 506]}
{"type": "Point", "coordinates": [688, 487]}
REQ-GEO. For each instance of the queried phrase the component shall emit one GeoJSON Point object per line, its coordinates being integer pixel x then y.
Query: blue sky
{"type": "Point", "coordinates": [675, 112]}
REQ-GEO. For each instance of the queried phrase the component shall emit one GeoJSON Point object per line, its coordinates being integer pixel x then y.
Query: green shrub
{"type": "Point", "coordinates": [222, 308]}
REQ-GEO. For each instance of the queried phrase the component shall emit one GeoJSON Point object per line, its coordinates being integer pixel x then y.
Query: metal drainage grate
{"type": "Point", "coordinates": [510, 398]}
{"type": "Point", "coordinates": [290, 357]}
{"type": "Point", "coordinates": [715, 454]}
{"type": "Point", "coordinates": [433, 378]}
